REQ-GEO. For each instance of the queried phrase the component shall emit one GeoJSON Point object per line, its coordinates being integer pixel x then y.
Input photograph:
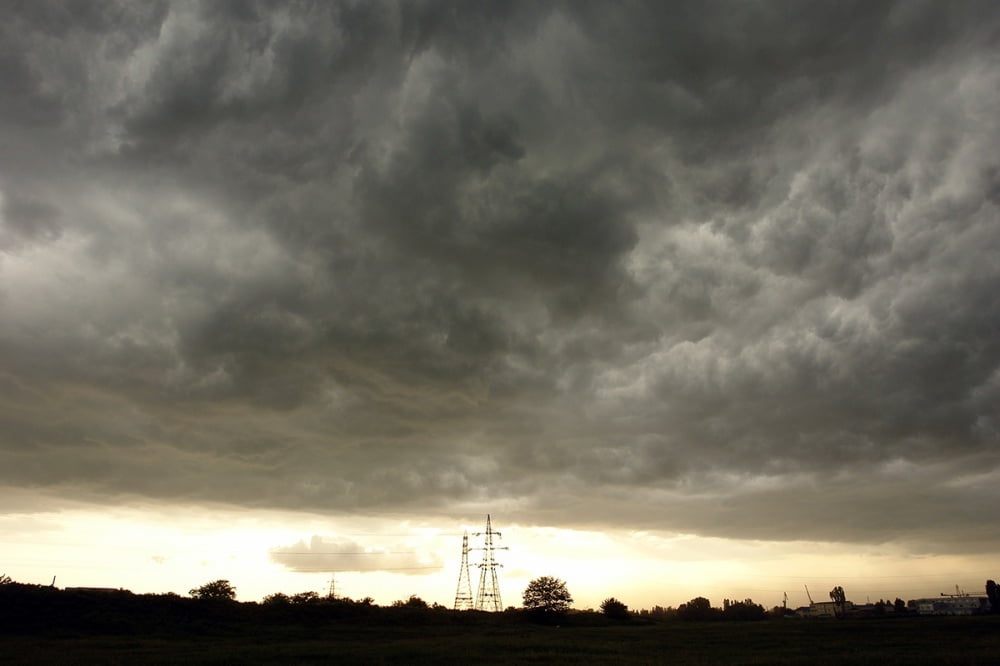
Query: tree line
{"type": "Point", "coordinates": [548, 596]}
{"type": "Point", "coordinates": [546, 600]}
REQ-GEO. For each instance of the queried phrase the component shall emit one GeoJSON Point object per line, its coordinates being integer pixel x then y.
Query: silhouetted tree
{"type": "Point", "coordinates": [309, 597]}
{"type": "Point", "coordinates": [413, 602]}
{"type": "Point", "coordinates": [993, 594]}
{"type": "Point", "coordinates": [614, 609]}
{"type": "Point", "coordinates": [217, 589]}
{"type": "Point", "coordinates": [742, 610]}
{"type": "Point", "coordinates": [658, 613]}
{"type": "Point", "coordinates": [899, 605]}
{"type": "Point", "coordinates": [839, 601]}
{"type": "Point", "coordinates": [698, 608]}
{"type": "Point", "coordinates": [547, 594]}
{"type": "Point", "coordinates": [276, 599]}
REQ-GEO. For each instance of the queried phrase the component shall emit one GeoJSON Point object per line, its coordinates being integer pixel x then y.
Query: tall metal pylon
{"type": "Point", "coordinates": [463, 595]}
{"type": "Point", "coordinates": [488, 596]}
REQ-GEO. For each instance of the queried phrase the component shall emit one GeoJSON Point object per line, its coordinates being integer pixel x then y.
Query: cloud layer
{"type": "Point", "coordinates": [724, 270]}
{"type": "Point", "coordinates": [345, 555]}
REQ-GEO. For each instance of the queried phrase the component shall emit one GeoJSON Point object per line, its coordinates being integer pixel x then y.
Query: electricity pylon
{"type": "Point", "coordinates": [488, 596]}
{"type": "Point", "coordinates": [463, 595]}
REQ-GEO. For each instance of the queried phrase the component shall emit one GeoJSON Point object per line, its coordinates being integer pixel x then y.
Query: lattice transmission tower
{"type": "Point", "coordinates": [463, 595]}
{"type": "Point", "coordinates": [488, 596]}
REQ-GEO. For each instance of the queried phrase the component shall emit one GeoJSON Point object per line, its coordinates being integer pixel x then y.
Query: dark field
{"type": "Point", "coordinates": [926, 640]}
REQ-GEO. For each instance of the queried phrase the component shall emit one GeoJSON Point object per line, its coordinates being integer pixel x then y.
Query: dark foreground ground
{"type": "Point", "coordinates": [911, 641]}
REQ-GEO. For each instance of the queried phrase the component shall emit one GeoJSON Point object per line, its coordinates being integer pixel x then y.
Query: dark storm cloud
{"type": "Point", "coordinates": [725, 269]}
{"type": "Point", "coordinates": [27, 219]}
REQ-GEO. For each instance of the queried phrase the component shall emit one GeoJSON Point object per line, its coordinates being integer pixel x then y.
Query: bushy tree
{"type": "Point", "coordinates": [742, 610]}
{"type": "Point", "coordinates": [547, 594]}
{"type": "Point", "coordinates": [839, 601]}
{"type": "Point", "coordinates": [697, 609]}
{"type": "Point", "coordinates": [309, 597]}
{"type": "Point", "coordinates": [993, 594]}
{"type": "Point", "coordinates": [614, 609]}
{"type": "Point", "coordinates": [217, 589]}
{"type": "Point", "coordinates": [413, 602]}
{"type": "Point", "coordinates": [277, 599]}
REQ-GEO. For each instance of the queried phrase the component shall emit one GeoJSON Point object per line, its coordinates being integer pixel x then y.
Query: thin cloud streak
{"type": "Point", "coordinates": [343, 555]}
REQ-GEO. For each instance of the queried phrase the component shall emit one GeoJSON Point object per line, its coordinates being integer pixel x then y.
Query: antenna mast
{"type": "Point", "coordinates": [463, 595]}
{"type": "Point", "coordinates": [488, 596]}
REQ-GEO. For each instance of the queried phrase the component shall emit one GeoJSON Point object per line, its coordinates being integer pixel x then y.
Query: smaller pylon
{"type": "Point", "coordinates": [463, 595]}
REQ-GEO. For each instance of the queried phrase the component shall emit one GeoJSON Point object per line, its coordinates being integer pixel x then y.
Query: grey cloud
{"type": "Point", "coordinates": [590, 260]}
{"type": "Point", "coordinates": [723, 69]}
{"type": "Point", "coordinates": [331, 554]}
{"type": "Point", "coordinates": [27, 220]}
{"type": "Point", "coordinates": [831, 231]}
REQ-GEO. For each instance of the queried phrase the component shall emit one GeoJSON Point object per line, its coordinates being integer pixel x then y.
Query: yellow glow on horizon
{"type": "Point", "coordinates": [158, 551]}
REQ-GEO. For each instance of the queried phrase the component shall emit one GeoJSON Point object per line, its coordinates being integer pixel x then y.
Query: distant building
{"type": "Point", "coordinates": [822, 609]}
{"type": "Point", "coordinates": [956, 605]}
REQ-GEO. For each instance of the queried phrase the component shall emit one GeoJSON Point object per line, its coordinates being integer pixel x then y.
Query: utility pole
{"type": "Point", "coordinates": [463, 595]}
{"type": "Point", "coordinates": [332, 594]}
{"type": "Point", "coordinates": [488, 596]}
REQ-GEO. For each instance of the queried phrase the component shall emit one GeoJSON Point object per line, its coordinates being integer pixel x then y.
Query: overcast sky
{"type": "Point", "coordinates": [727, 270]}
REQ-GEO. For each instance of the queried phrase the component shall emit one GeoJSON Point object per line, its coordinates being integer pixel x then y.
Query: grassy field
{"type": "Point", "coordinates": [910, 641]}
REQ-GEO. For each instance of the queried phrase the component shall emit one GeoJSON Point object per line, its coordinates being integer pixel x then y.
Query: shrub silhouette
{"type": "Point", "coordinates": [217, 589]}
{"type": "Point", "coordinates": [614, 609]}
{"type": "Point", "coordinates": [993, 594]}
